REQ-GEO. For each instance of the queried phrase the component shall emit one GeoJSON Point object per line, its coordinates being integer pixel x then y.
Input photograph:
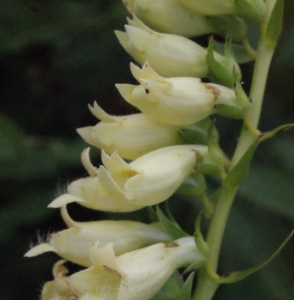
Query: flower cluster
{"type": "Point", "coordinates": [145, 156]}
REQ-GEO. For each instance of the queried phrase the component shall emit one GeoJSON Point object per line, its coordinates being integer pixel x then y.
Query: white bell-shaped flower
{"type": "Point", "coordinates": [169, 16]}
{"type": "Point", "coordinates": [177, 101]}
{"type": "Point", "coordinates": [74, 243]}
{"type": "Point", "coordinates": [119, 186]}
{"type": "Point", "coordinates": [131, 136]}
{"type": "Point", "coordinates": [170, 55]}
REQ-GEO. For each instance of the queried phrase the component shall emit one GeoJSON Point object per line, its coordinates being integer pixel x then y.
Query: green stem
{"type": "Point", "coordinates": [206, 286]}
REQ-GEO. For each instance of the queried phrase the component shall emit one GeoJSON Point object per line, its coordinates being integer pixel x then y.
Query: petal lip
{"type": "Point", "coordinates": [65, 199]}
{"type": "Point", "coordinates": [39, 249]}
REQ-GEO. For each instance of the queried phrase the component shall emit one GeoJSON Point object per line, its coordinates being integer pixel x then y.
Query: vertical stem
{"type": "Point", "coordinates": [206, 286]}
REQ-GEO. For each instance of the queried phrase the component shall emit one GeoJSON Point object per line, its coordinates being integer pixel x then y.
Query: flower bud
{"type": "Point", "coordinates": [131, 136]}
{"type": "Point", "coordinates": [210, 7]}
{"type": "Point", "coordinates": [179, 101]}
{"type": "Point", "coordinates": [136, 275]}
{"type": "Point", "coordinates": [148, 180]}
{"type": "Point", "coordinates": [170, 17]}
{"type": "Point", "coordinates": [74, 243]}
{"type": "Point", "coordinates": [170, 55]}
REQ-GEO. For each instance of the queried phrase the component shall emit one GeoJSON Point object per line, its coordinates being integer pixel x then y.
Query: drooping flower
{"type": "Point", "coordinates": [169, 16]}
{"type": "Point", "coordinates": [119, 186]}
{"type": "Point", "coordinates": [131, 136]}
{"type": "Point", "coordinates": [74, 243]}
{"type": "Point", "coordinates": [179, 101]}
{"type": "Point", "coordinates": [136, 275]}
{"type": "Point", "coordinates": [170, 55]}
{"type": "Point", "coordinates": [251, 10]}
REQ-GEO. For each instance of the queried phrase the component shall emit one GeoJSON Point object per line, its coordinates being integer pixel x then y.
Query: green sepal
{"type": "Point", "coordinates": [240, 275]}
{"type": "Point", "coordinates": [195, 265]}
{"type": "Point", "coordinates": [193, 186]}
{"type": "Point", "coordinates": [215, 152]}
{"type": "Point", "coordinates": [199, 239]}
{"type": "Point", "coordinates": [240, 52]}
{"type": "Point", "coordinates": [275, 24]}
{"type": "Point", "coordinates": [231, 60]}
{"type": "Point", "coordinates": [219, 72]}
{"type": "Point", "coordinates": [186, 290]}
{"type": "Point", "coordinates": [272, 133]}
{"type": "Point", "coordinates": [252, 11]}
{"type": "Point", "coordinates": [241, 96]}
{"type": "Point", "coordinates": [239, 171]}
{"type": "Point", "coordinates": [198, 133]}
{"type": "Point", "coordinates": [170, 226]}
{"type": "Point", "coordinates": [230, 25]}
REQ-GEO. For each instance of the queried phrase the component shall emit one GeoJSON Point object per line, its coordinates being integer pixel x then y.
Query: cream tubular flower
{"type": "Point", "coordinates": [170, 55]}
{"type": "Point", "coordinates": [179, 101]}
{"type": "Point", "coordinates": [74, 243]}
{"type": "Point", "coordinates": [136, 275]}
{"type": "Point", "coordinates": [93, 192]}
{"type": "Point", "coordinates": [210, 7]}
{"type": "Point", "coordinates": [153, 177]}
{"type": "Point", "coordinates": [169, 16]}
{"type": "Point", "coordinates": [131, 136]}
{"type": "Point", "coordinates": [120, 187]}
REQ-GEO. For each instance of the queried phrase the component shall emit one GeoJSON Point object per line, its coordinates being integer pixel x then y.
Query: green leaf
{"type": "Point", "coordinates": [171, 227]}
{"type": "Point", "coordinates": [275, 24]}
{"type": "Point", "coordinates": [239, 171]}
{"type": "Point", "coordinates": [240, 275]}
{"type": "Point", "coordinates": [186, 291]}
{"type": "Point", "coordinates": [273, 132]}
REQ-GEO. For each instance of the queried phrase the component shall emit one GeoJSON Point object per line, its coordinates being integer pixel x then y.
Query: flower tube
{"type": "Point", "coordinates": [179, 101]}
{"type": "Point", "coordinates": [170, 55]}
{"type": "Point", "coordinates": [74, 243]}
{"type": "Point", "coordinates": [136, 275]}
{"type": "Point", "coordinates": [131, 136]}
{"type": "Point", "coordinates": [119, 186]}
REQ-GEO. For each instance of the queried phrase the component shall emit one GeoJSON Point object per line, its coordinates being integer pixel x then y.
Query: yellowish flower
{"type": "Point", "coordinates": [170, 55]}
{"type": "Point", "coordinates": [131, 136]}
{"type": "Point", "coordinates": [177, 101]}
{"type": "Point", "coordinates": [119, 186]}
{"type": "Point", "coordinates": [169, 16]}
{"type": "Point", "coordinates": [74, 243]}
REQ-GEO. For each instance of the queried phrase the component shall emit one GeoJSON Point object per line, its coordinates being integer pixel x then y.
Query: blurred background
{"type": "Point", "coordinates": [56, 57]}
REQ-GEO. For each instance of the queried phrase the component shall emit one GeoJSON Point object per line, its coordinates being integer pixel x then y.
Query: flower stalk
{"type": "Point", "coordinates": [207, 285]}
